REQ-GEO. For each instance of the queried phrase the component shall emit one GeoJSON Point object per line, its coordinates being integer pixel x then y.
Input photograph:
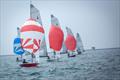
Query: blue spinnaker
{"type": "Point", "coordinates": [17, 46]}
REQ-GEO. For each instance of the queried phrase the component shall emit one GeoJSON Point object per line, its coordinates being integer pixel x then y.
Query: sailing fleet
{"type": "Point", "coordinates": [30, 42]}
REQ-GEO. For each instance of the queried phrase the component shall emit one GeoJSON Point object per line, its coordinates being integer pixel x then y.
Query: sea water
{"type": "Point", "coordinates": [91, 65]}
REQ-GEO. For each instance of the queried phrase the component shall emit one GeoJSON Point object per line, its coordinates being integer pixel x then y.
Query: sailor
{"type": "Point", "coordinates": [48, 57]}
{"type": "Point", "coordinates": [24, 61]}
{"type": "Point", "coordinates": [78, 51]}
{"type": "Point", "coordinates": [17, 59]}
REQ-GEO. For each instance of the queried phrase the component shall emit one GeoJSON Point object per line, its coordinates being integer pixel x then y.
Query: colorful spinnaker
{"type": "Point", "coordinates": [55, 35]}
{"type": "Point", "coordinates": [31, 34]}
{"type": "Point", "coordinates": [70, 41]}
{"type": "Point", "coordinates": [79, 43]}
{"type": "Point", "coordinates": [17, 44]}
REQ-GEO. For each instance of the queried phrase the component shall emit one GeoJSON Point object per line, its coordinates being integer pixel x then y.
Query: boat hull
{"type": "Point", "coordinates": [72, 56]}
{"type": "Point", "coordinates": [29, 65]}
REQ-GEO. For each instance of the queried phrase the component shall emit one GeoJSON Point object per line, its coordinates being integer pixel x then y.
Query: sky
{"type": "Point", "coordinates": [97, 21]}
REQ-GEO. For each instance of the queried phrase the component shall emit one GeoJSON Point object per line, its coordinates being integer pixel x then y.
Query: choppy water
{"type": "Point", "coordinates": [91, 65]}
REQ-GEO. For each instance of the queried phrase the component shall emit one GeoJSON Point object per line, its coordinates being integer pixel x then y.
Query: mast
{"type": "Point", "coordinates": [18, 32]}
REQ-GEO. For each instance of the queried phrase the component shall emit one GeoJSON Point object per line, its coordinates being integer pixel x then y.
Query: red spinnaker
{"type": "Point", "coordinates": [56, 38]}
{"type": "Point", "coordinates": [70, 42]}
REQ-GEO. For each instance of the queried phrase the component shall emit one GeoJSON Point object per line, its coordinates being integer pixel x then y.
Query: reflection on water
{"type": "Point", "coordinates": [91, 65]}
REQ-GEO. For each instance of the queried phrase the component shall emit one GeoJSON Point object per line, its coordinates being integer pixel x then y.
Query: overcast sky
{"type": "Point", "coordinates": [97, 21]}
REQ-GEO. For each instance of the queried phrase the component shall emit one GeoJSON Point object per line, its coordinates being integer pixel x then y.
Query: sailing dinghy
{"type": "Point", "coordinates": [79, 47]}
{"type": "Point", "coordinates": [70, 42]}
{"type": "Point", "coordinates": [18, 47]}
{"type": "Point", "coordinates": [56, 37]}
{"type": "Point", "coordinates": [31, 33]}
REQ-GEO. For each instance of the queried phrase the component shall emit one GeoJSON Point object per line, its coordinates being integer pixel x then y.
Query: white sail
{"type": "Point", "coordinates": [69, 32]}
{"type": "Point", "coordinates": [64, 49]}
{"type": "Point", "coordinates": [18, 32]}
{"type": "Point", "coordinates": [55, 21]}
{"type": "Point", "coordinates": [35, 14]}
{"type": "Point", "coordinates": [43, 48]}
{"type": "Point", "coordinates": [79, 43]}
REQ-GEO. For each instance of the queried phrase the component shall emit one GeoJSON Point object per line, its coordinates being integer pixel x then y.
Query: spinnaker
{"type": "Point", "coordinates": [70, 42]}
{"type": "Point", "coordinates": [56, 36]}
{"type": "Point", "coordinates": [31, 34]}
{"type": "Point", "coordinates": [17, 44]}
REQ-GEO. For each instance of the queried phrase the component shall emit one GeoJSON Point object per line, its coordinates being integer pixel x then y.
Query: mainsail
{"type": "Point", "coordinates": [64, 49]}
{"type": "Point", "coordinates": [55, 35]}
{"type": "Point", "coordinates": [70, 41]}
{"type": "Point", "coordinates": [43, 47]}
{"type": "Point", "coordinates": [35, 14]}
{"type": "Point", "coordinates": [79, 43]}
